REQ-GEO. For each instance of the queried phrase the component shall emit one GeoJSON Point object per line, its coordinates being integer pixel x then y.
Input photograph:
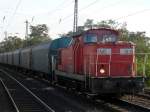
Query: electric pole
{"type": "Point", "coordinates": [5, 33]}
{"type": "Point", "coordinates": [75, 23]}
{"type": "Point", "coordinates": [26, 33]}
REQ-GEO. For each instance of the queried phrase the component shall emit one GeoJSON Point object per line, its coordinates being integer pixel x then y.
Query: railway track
{"type": "Point", "coordinates": [144, 95]}
{"type": "Point", "coordinates": [141, 101]}
{"type": "Point", "coordinates": [132, 106]}
{"type": "Point", "coordinates": [6, 103]}
{"type": "Point", "coordinates": [115, 105]}
{"type": "Point", "coordinates": [147, 91]}
{"type": "Point", "coordinates": [58, 98]}
{"type": "Point", "coordinates": [124, 105]}
{"type": "Point", "coordinates": [22, 98]}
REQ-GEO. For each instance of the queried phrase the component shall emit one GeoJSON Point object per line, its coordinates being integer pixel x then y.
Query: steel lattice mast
{"type": "Point", "coordinates": [75, 23]}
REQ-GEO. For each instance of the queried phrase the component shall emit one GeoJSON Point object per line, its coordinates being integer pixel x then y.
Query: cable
{"type": "Point", "coordinates": [132, 14]}
{"type": "Point", "coordinates": [92, 3]}
{"type": "Point", "coordinates": [81, 9]}
{"type": "Point", "coordinates": [11, 19]}
{"type": "Point", "coordinates": [108, 6]}
{"type": "Point", "coordinates": [58, 7]}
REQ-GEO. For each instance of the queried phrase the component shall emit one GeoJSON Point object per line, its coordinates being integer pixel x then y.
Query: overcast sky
{"type": "Point", "coordinates": [58, 14]}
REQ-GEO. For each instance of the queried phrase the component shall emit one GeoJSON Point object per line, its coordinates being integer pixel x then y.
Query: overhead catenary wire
{"type": "Point", "coordinates": [14, 13]}
{"type": "Point", "coordinates": [59, 6]}
{"type": "Point", "coordinates": [70, 15]}
{"type": "Point", "coordinates": [92, 3]}
{"type": "Point", "coordinates": [61, 20]}
{"type": "Point", "coordinates": [11, 18]}
{"type": "Point", "coordinates": [87, 6]}
{"type": "Point", "coordinates": [132, 14]}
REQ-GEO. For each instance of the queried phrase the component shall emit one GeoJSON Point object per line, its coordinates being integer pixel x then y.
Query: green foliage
{"type": "Point", "coordinates": [11, 43]}
{"type": "Point", "coordinates": [40, 30]}
{"type": "Point", "coordinates": [89, 23]}
{"type": "Point", "coordinates": [38, 35]}
{"type": "Point", "coordinates": [107, 24]}
{"type": "Point", "coordinates": [35, 40]}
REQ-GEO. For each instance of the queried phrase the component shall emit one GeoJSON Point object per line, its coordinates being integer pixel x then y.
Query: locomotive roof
{"type": "Point", "coordinates": [90, 30]}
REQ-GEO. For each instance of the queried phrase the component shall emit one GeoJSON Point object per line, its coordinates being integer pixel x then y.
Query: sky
{"type": "Point", "coordinates": [58, 14]}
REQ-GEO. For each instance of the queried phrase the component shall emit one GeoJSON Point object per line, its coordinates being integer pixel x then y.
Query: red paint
{"type": "Point", "coordinates": [81, 58]}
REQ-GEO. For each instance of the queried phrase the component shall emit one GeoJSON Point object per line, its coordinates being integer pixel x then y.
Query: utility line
{"type": "Point", "coordinates": [132, 14]}
{"type": "Point", "coordinates": [92, 3]}
{"type": "Point", "coordinates": [14, 13]}
{"type": "Point", "coordinates": [58, 7]}
{"type": "Point", "coordinates": [11, 18]}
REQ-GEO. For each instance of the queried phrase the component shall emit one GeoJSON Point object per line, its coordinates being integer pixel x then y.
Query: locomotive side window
{"type": "Point", "coordinates": [109, 38]}
{"type": "Point", "coordinates": [90, 38]}
{"type": "Point", "coordinates": [126, 51]}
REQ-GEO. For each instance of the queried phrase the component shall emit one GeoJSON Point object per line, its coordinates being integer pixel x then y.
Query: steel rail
{"type": "Point", "coordinates": [139, 107]}
{"type": "Point", "coordinates": [123, 105]}
{"type": "Point", "coordinates": [143, 95]}
{"type": "Point", "coordinates": [37, 98]}
{"type": "Point", "coordinates": [7, 91]}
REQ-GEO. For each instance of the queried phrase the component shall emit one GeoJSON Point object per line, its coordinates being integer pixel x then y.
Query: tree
{"type": "Point", "coordinates": [40, 30]}
{"type": "Point", "coordinates": [11, 43]}
{"type": "Point", "coordinates": [107, 24]}
{"type": "Point", "coordinates": [71, 33]}
{"type": "Point", "coordinates": [39, 33]}
{"type": "Point", "coordinates": [88, 24]}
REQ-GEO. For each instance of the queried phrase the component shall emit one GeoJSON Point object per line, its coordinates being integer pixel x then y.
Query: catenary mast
{"type": "Point", "coordinates": [75, 23]}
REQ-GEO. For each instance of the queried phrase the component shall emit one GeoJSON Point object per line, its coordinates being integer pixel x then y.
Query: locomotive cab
{"type": "Point", "coordinates": [108, 54]}
{"type": "Point", "coordinates": [101, 63]}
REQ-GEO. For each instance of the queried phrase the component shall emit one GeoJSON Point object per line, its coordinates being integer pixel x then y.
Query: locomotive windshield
{"type": "Point", "coordinates": [109, 38]}
{"type": "Point", "coordinates": [94, 38]}
{"type": "Point", "coordinates": [90, 38]}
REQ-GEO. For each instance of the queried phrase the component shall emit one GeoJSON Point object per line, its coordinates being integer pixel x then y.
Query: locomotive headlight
{"type": "Point", "coordinates": [126, 51]}
{"type": "Point", "coordinates": [102, 71]}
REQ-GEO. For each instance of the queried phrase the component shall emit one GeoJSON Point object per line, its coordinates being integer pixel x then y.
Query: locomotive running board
{"type": "Point", "coordinates": [70, 75]}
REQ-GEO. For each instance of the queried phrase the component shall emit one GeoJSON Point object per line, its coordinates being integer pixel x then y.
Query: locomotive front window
{"type": "Point", "coordinates": [90, 38]}
{"type": "Point", "coordinates": [109, 38]}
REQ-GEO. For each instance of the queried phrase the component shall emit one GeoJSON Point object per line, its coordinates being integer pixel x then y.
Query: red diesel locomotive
{"type": "Point", "coordinates": [97, 62]}
{"type": "Point", "coordinates": [94, 62]}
